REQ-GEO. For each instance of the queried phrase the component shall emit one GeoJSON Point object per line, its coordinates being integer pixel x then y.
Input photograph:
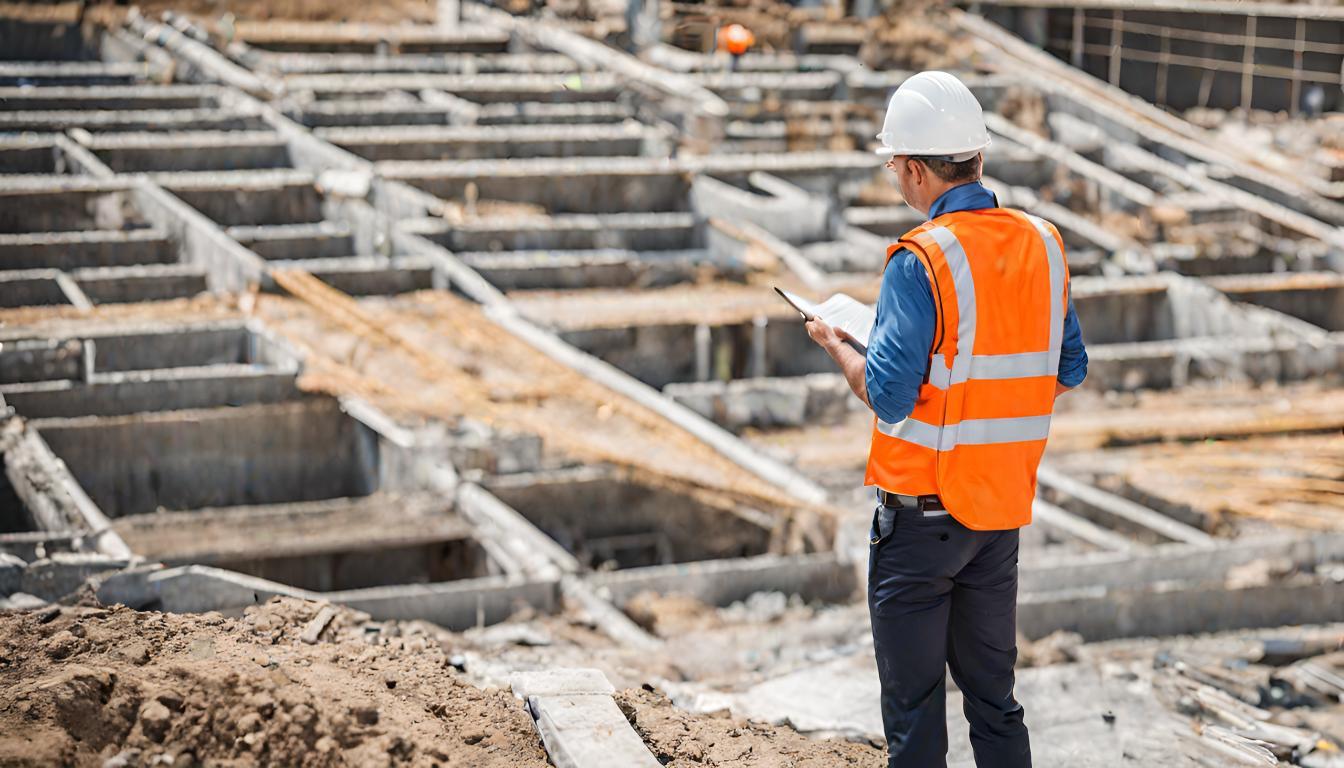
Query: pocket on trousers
{"type": "Point", "coordinates": [876, 534]}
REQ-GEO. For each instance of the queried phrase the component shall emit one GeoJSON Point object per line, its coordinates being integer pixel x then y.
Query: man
{"type": "Point", "coordinates": [736, 40]}
{"type": "Point", "coordinates": [975, 337]}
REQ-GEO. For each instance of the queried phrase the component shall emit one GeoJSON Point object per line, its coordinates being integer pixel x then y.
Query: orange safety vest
{"type": "Point", "coordinates": [978, 429]}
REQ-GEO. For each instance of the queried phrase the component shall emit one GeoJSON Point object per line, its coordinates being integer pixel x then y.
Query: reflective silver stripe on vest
{"type": "Point", "coordinates": [1057, 300]}
{"type": "Point", "coordinates": [940, 375]}
{"type": "Point", "coordinates": [969, 432]}
{"type": "Point", "coordinates": [1015, 366]}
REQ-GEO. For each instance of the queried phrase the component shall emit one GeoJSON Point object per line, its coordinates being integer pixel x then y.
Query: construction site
{"type": "Point", "coordinates": [403, 384]}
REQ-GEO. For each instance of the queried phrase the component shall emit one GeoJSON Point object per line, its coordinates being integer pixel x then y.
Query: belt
{"type": "Point", "coordinates": [930, 505]}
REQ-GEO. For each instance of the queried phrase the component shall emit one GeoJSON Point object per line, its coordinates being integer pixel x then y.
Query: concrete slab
{"type": "Point", "coordinates": [579, 721]}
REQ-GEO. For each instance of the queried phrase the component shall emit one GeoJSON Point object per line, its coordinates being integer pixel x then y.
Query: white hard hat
{"type": "Point", "coordinates": [933, 114]}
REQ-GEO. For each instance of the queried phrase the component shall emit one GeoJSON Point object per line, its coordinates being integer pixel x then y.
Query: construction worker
{"type": "Point", "coordinates": [974, 339]}
{"type": "Point", "coordinates": [736, 40]}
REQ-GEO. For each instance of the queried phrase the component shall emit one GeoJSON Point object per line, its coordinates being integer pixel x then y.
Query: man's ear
{"type": "Point", "coordinates": [916, 170]}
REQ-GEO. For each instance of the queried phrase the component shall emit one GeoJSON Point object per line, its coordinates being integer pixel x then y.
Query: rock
{"type": "Point", "coordinates": [62, 645]}
{"type": "Point", "coordinates": [314, 628]}
{"type": "Point", "coordinates": [135, 652]}
{"type": "Point", "coordinates": [367, 715]}
{"type": "Point", "coordinates": [170, 699]}
{"type": "Point", "coordinates": [22, 601]}
{"type": "Point", "coordinates": [123, 759]}
{"type": "Point", "coordinates": [249, 722]}
{"type": "Point", "coordinates": [303, 715]}
{"type": "Point", "coordinates": [155, 720]}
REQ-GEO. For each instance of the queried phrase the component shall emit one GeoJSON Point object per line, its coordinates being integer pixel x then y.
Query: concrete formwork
{"type": "Point", "coordinates": [504, 157]}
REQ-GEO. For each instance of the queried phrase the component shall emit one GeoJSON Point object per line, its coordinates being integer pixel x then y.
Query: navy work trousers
{"type": "Point", "coordinates": [942, 595]}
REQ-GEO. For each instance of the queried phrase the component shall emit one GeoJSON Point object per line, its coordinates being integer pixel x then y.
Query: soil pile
{"type": "Point", "coordinates": [95, 686]}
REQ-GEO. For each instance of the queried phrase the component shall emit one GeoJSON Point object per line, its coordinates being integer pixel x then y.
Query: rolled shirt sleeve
{"type": "Point", "coordinates": [1072, 353]}
{"type": "Point", "coordinates": [898, 348]}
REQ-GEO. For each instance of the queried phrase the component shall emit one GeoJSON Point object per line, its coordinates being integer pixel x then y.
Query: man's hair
{"type": "Point", "coordinates": [966, 170]}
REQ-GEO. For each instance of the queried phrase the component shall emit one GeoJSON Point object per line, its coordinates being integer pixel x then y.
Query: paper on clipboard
{"type": "Point", "coordinates": [841, 312]}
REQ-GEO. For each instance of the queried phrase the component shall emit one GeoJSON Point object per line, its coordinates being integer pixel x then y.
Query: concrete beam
{"type": "Point", "coordinates": [1121, 510]}
{"type": "Point", "coordinates": [198, 60]}
{"type": "Point", "coordinates": [579, 722]}
{"type": "Point", "coordinates": [1081, 528]}
{"type": "Point", "coordinates": [1177, 562]}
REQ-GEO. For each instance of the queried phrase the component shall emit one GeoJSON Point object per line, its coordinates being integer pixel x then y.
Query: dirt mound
{"type": "Point", "coordinates": [682, 740]}
{"type": "Point", "coordinates": [92, 685]}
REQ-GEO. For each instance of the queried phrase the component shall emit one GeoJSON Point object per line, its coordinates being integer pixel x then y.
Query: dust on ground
{"type": "Point", "coordinates": [84, 685]}
{"type": "Point", "coordinates": [681, 740]}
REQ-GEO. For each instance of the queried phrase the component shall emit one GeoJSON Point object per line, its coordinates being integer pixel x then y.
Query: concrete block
{"type": "Point", "coordinates": [129, 587]}
{"type": "Point", "coordinates": [11, 573]}
{"type": "Point", "coordinates": [561, 682]}
{"type": "Point", "coordinates": [55, 577]}
{"type": "Point", "coordinates": [579, 722]}
{"type": "Point", "coordinates": [589, 732]}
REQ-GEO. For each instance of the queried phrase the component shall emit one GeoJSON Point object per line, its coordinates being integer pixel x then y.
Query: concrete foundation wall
{"type": "Point", "coordinates": [284, 202]}
{"type": "Point", "coordinates": [63, 210]}
{"type": "Point", "coordinates": [24, 290]}
{"type": "Point", "coordinates": [1179, 609]}
{"type": "Point", "coordinates": [769, 403]}
{"type": "Point", "coordinates": [219, 156]}
{"type": "Point", "coordinates": [221, 457]}
{"type": "Point", "coordinates": [562, 193]}
{"type": "Point", "coordinates": [122, 394]}
{"type": "Point", "coordinates": [77, 250]}
{"type": "Point", "coordinates": [600, 516]}
{"type": "Point", "coordinates": [813, 577]}
{"type": "Point", "coordinates": [659, 355]}
{"type": "Point", "coordinates": [187, 347]}
{"type": "Point", "coordinates": [40, 360]}
{"type": "Point", "coordinates": [366, 568]}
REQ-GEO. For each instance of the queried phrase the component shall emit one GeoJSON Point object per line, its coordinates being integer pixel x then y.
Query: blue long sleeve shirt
{"type": "Point", "coordinates": [898, 350]}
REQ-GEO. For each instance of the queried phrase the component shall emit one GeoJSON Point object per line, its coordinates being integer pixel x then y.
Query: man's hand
{"type": "Point", "coordinates": [824, 335]}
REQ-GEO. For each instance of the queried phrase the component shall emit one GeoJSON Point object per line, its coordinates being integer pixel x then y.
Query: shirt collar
{"type": "Point", "coordinates": [971, 196]}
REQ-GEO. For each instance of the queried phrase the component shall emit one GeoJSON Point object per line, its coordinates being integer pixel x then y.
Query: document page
{"type": "Point", "coordinates": [844, 313]}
